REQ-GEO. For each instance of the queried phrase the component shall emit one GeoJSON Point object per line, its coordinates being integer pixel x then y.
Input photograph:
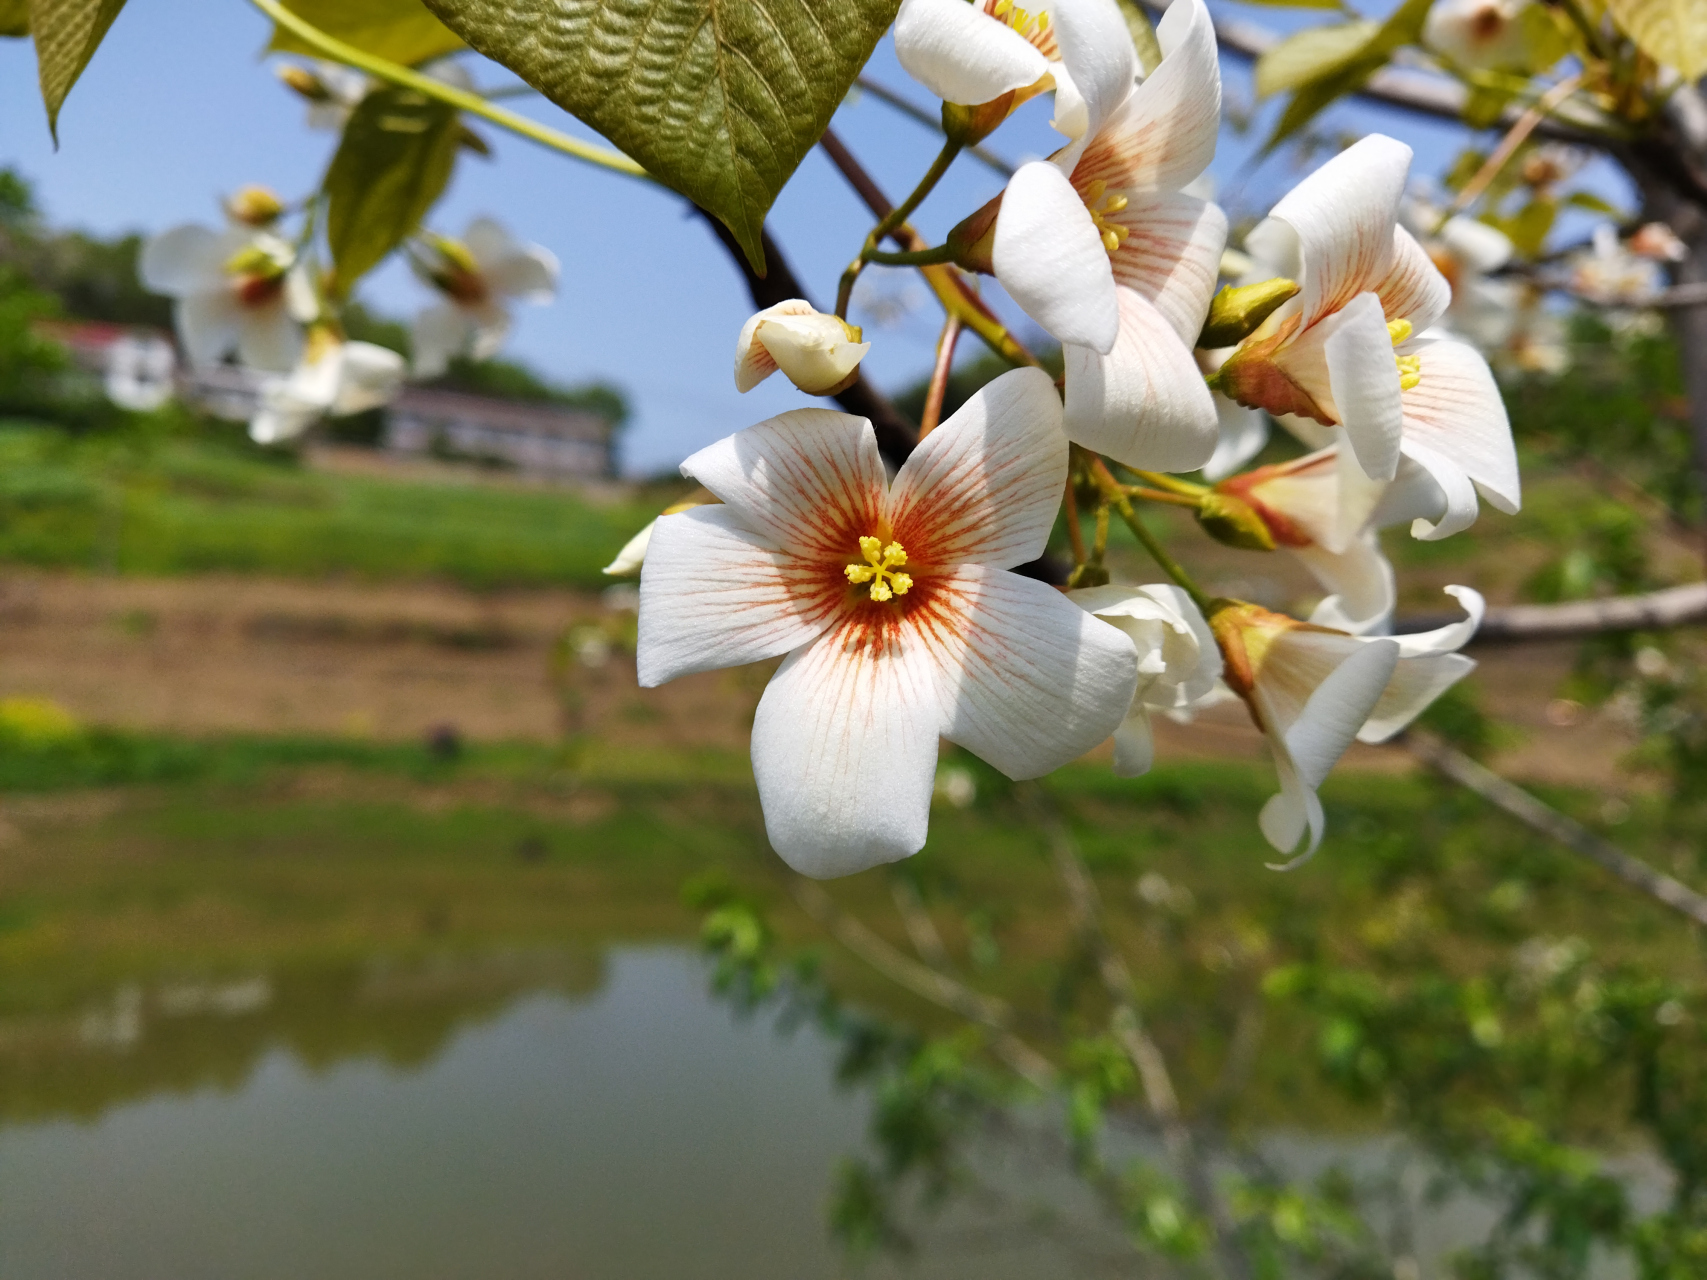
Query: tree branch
{"type": "Point", "coordinates": [1455, 766]}
{"type": "Point", "coordinates": [927, 983]}
{"type": "Point", "coordinates": [895, 435]}
{"type": "Point", "coordinates": [1516, 624]}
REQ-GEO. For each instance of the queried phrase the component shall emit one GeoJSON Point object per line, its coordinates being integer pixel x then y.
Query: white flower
{"type": "Point", "coordinates": [331, 90]}
{"type": "Point", "coordinates": [1100, 246]}
{"type": "Point", "coordinates": [1179, 665]}
{"type": "Point", "coordinates": [237, 288]}
{"type": "Point", "coordinates": [335, 378]}
{"type": "Point", "coordinates": [974, 53]}
{"type": "Point", "coordinates": [1608, 273]}
{"type": "Point", "coordinates": [1342, 353]}
{"type": "Point", "coordinates": [1486, 34]}
{"type": "Point", "coordinates": [476, 275]}
{"type": "Point", "coordinates": [818, 353]}
{"type": "Point", "coordinates": [893, 604]}
{"type": "Point", "coordinates": [139, 372]}
{"type": "Point", "coordinates": [1313, 690]}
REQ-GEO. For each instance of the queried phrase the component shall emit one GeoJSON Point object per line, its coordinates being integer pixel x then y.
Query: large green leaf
{"type": "Point", "coordinates": [1351, 72]}
{"type": "Point", "coordinates": [1671, 32]}
{"type": "Point", "coordinates": [1307, 54]}
{"type": "Point", "coordinates": [396, 30]}
{"type": "Point", "coordinates": [720, 99]}
{"type": "Point", "coordinates": [67, 34]}
{"type": "Point", "coordinates": [14, 17]}
{"type": "Point", "coordinates": [390, 167]}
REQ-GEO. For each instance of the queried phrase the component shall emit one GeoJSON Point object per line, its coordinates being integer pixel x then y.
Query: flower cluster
{"type": "Point", "coordinates": [894, 600]}
{"type": "Point", "coordinates": [251, 290]}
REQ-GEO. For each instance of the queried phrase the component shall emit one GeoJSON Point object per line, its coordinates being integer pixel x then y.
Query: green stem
{"type": "Point", "coordinates": [901, 212]}
{"type": "Point", "coordinates": [335, 49]}
{"type": "Point", "coordinates": [916, 258]}
{"type": "Point", "coordinates": [1160, 480]}
{"type": "Point", "coordinates": [1159, 553]}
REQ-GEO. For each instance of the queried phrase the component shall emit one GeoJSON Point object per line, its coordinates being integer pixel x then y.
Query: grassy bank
{"type": "Point", "coordinates": [185, 505]}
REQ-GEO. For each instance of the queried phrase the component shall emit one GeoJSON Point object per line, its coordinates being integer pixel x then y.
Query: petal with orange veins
{"type": "Point", "coordinates": [1172, 255]}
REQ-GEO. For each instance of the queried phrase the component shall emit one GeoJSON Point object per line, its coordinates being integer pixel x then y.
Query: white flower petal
{"type": "Point", "coordinates": [1241, 435]}
{"type": "Point", "coordinates": [1072, 115]}
{"type": "Point", "coordinates": [1179, 663]}
{"type": "Point", "coordinates": [984, 487]}
{"type": "Point", "coordinates": [186, 259]}
{"type": "Point", "coordinates": [1415, 684]}
{"type": "Point", "coordinates": [268, 339]}
{"type": "Point", "coordinates": [1449, 492]}
{"type": "Point", "coordinates": [961, 54]}
{"type": "Point", "coordinates": [1134, 744]}
{"type": "Point", "coordinates": [714, 594]}
{"type": "Point", "coordinates": [810, 481]}
{"type": "Point", "coordinates": [207, 324]}
{"type": "Point", "coordinates": [1457, 411]}
{"type": "Point", "coordinates": [441, 331]}
{"type": "Point", "coordinates": [1172, 255]}
{"type": "Point", "coordinates": [528, 275]}
{"type": "Point", "coordinates": [1365, 380]}
{"type": "Point", "coordinates": [1275, 250]}
{"type": "Point", "coordinates": [814, 351]}
{"type": "Point", "coordinates": [632, 556]}
{"type": "Point", "coordinates": [1344, 214]}
{"type": "Point", "coordinates": [1291, 812]}
{"type": "Point", "coordinates": [488, 242]}
{"type": "Point", "coordinates": [844, 752]}
{"type": "Point", "coordinates": [1414, 289]}
{"type": "Point", "coordinates": [1454, 635]}
{"type": "Point", "coordinates": [1030, 681]}
{"type": "Point", "coordinates": [1163, 135]}
{"type": "Point", "coordinates": [1144, 403]}
{"type": "Point", "coordinates": [1096, 49]}
{"type": "Point", "coordinates": [1477, 245]}
{"type": "Point", "coordinates": [1360, 581]}
{"type": "Point", "coordinates": [368, 376]}
{"type": "Point", "coordinates": [1049, 256]}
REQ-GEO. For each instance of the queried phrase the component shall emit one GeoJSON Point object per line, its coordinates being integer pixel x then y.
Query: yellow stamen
{"type": "Point", "coordinates": [1410, 367]}
{"type": "Point", "coordinates": [1103, 205]}
{"type": "Point", "coordinates": [879, 569]}
{"type": "Point", "coordinates": [1023, 21]}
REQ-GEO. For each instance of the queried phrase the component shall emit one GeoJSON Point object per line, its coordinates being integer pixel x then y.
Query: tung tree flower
{"type": "Point", "coordinates": [893, 604]}
{"type": "Point", "coordinates": [331, 90]}
{"type": "Point", "coordinates": [476, 276]}
{"type": "Point", "coordinates": [238, 288]}
{"type": "Point", "coordinates": [1492, 35]}
{"type": "Point", "coordinates": [1100, 245]}
{"type": "Point", "coordinates": [1179, 665]}
{"type": "Point", "coordinates": [1344, 353]}
{"type": "Point", "coordinates": [818, 353]}
{"type": "Point", "coordinates": [975, 53]}
{"type": "Point", "coordinates": [1313, 691]}
{"type": "Point", "coordinates": [335, 377]}
{"type": "Point", "coordinates": [139, 372]}
{"type": "Point", "coordinates": [1610, 274]}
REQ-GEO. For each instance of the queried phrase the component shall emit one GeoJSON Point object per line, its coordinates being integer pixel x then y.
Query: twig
{"type": "Point", "coordinates": [1454, 765]}
{"type": "Point", "coordinates": [927, 983]}
{"type": "Point", "coordinates": [1514, 138]}
{"type": "Point", "coordinates": [1654, 611]}
{"type": "Point", "coordinates": [1128, 1028]}
{"type": "Point", "coordinates": [939, 376]}
{"type": "Point", "coordinates": [921, 929]}
{"type": "Point", "coordinates": [884, 94]}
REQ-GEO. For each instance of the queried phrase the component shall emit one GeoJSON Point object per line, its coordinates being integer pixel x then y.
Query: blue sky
{"type": "Point", "coordinates": [179, 106]}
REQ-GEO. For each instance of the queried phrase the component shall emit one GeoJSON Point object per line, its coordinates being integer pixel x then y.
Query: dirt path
{"type": "Point", "coordinates": [224, 654]}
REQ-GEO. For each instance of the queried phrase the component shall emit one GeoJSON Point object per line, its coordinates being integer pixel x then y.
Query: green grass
{"type": "Point", "coordinates": [184, 505]}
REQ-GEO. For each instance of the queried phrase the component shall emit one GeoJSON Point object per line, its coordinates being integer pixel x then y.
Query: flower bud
{"type": "Point", "coordinates": [1233, 521]}
{"type": "Point", "coordinates": [254, 206]}
{"type": "Point", "coordinates": [632, 557]}
{"type": "Point", "coordinates": [819, 353]}
{"type": "Point", "coordinates": [973, 239]}
{"type": "Point", "coordinates": [971, 125]}
{"type": "Point", "coordinates": [304, 82]}
{"type": "Point", "coordinates": [1245, 632]}
{"type": "Point", "coordinates": [1238, 311]}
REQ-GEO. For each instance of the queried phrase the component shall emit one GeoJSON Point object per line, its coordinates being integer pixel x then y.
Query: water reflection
{"type": "Point", "coordinates": [379, 1124]}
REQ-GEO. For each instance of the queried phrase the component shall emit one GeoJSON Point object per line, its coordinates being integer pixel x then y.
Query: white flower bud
{"type": "Point", "coordinates": [819, 353]}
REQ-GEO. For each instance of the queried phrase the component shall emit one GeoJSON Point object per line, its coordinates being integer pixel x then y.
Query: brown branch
{"type": "Point", "coordinates": [921, 929]}
{"type": "Point", "coordinates": [1516, 624]}
{"type": "Point", "coordinates": [1128, 1027]}
{"type": "Point", "coordinates": [895, 435]}
{"type": "Point", "coordinates": [1454, 765]}
{"type": "Point", "coordinates": [927, 983]}
{"type": "Point", "coordinates": [938, 388]}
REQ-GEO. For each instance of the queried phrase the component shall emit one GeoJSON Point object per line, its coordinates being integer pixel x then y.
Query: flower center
{"type": "Point", "coordinates": [1410, 367]}
{"type": "Point", "coordinates": [257, 275]}
{"type": "Point", "coordinates": [1028, 24]}
{"type": "Point", "coordinates": [879, 569]}
{"type": "Point", "coordinates": [1103, 205]}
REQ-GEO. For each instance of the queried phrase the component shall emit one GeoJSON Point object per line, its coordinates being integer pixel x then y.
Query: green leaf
{"type": "Point", "coordinates": [67, 34]}
{"type": "Point", "coordinates": [396, 30]}
{"type": "Point", "coordinates": [1588, 200]}
{"type": "Point", "coordinates": [719, 99]}
{"type": "Point", "coordinates": [1671, 32]}
{"type": "Point", "coordinates": [1307, 54]}
{"type": "Point", "coordinates": [1483, 106]}
{"type": "Point", "coordinates": [1403, 26]}
{"type": "Point", "coordinates": [391, 166]}
{"type": "Point", "coordinates": [14, 17]}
